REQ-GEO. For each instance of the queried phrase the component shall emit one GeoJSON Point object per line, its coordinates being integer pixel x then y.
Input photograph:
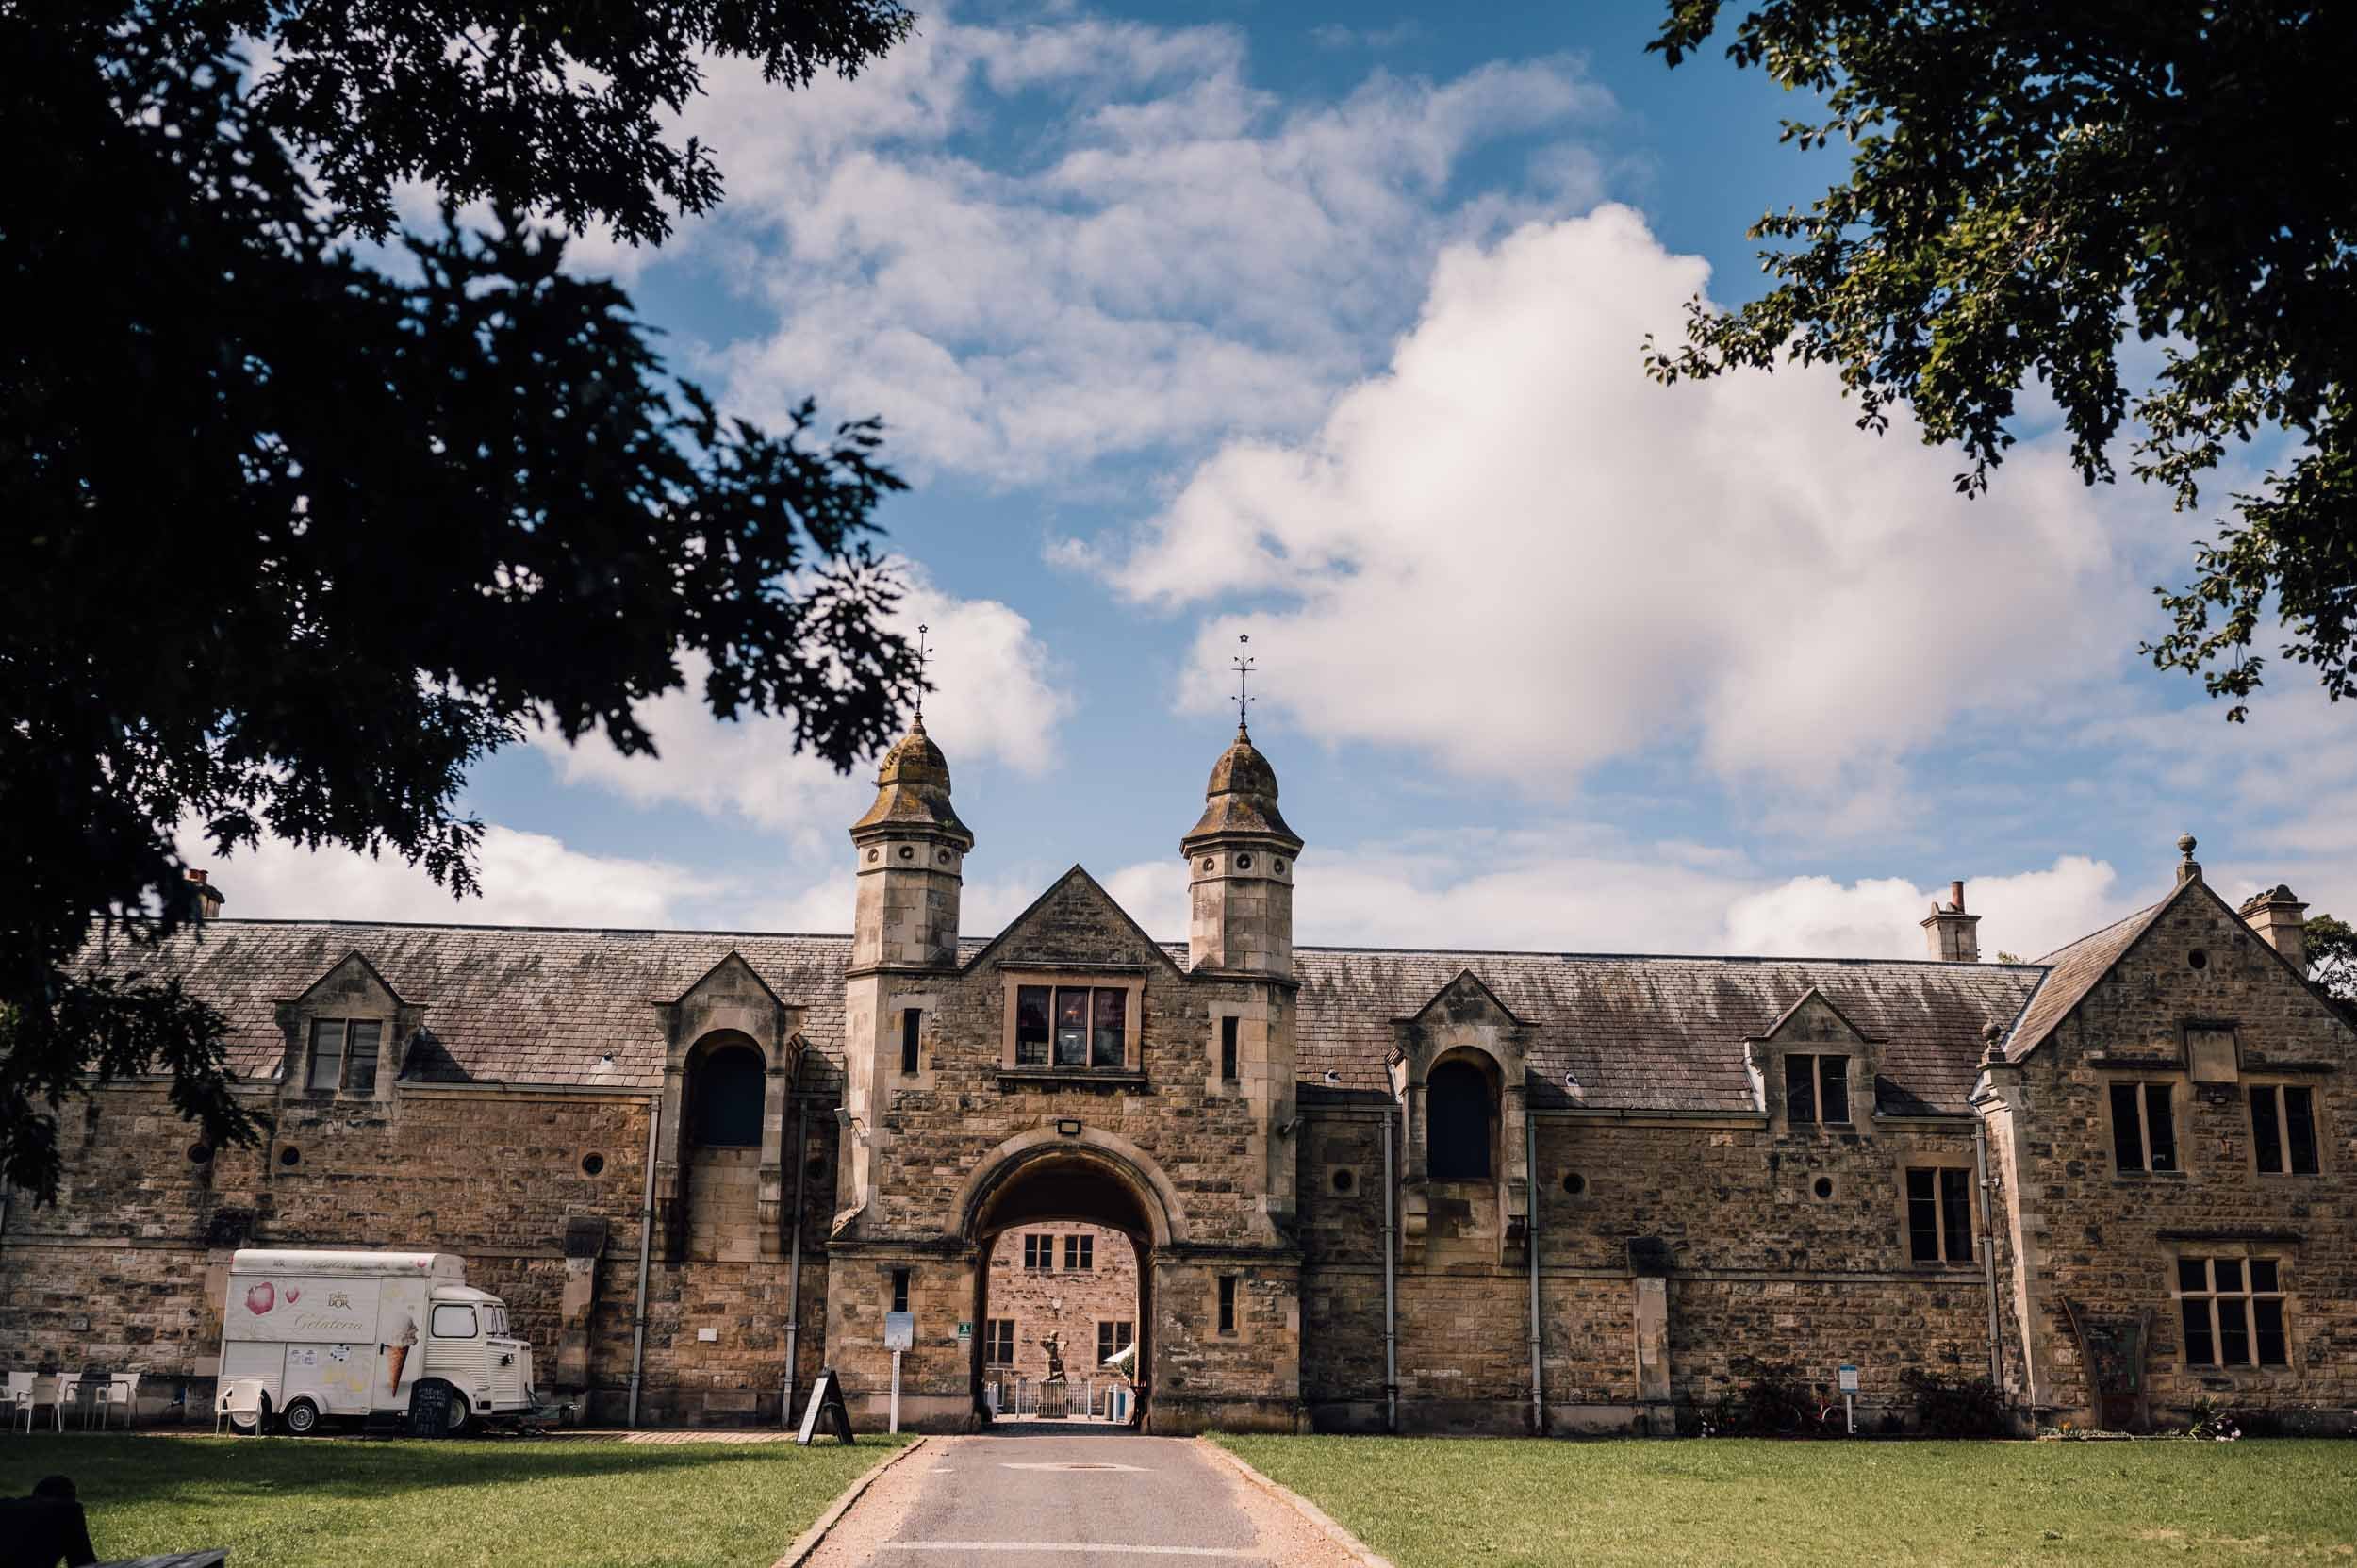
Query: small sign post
{"type": "Point", "coordinates": [1849, 1399]}
{"type": "Point", "coordinates": [900, 1335]}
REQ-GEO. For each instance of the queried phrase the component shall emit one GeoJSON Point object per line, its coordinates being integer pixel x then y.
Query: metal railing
{"type": "Point", "coordinates": [1017, 1394]}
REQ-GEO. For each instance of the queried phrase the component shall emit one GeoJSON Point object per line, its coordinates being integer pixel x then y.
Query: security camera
{"type": "Point", "coordinates": [1332, 1078]}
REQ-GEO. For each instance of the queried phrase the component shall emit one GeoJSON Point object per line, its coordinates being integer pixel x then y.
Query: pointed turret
{"type": "Point", "coordinates": [912, 857]}
{"type": "Point", "coordinates": [1240, 858]}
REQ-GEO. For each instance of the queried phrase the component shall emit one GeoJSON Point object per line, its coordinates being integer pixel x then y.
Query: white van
{"type": "Point", "coordinates": [354, 1335]}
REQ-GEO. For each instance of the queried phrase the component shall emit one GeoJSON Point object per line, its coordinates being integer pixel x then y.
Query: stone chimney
{"type": "Point", "coordinates": [2280, 921]}
{"type": "Point", "coordinates": [1948, 930]}
{"type": "Point", "coordinates": [209, 898]}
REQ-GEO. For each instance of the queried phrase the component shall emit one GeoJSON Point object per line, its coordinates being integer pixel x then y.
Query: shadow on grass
{"type": "Point", "coordinates": [127, 1471]}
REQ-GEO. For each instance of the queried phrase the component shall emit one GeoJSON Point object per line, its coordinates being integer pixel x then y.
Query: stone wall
{"type": "Point", "coordinates": [2110, 1240]}
{"type": "Point", "coordinates": [1063, 1301]}
{"type": "Point", "coordinates": [1759, 1264]}
{"type": "Point", "coordinates": [129, 1266]}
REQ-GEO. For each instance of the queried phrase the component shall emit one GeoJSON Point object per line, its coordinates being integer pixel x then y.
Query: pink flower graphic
{"type": "Point", "coordinates": [261, 1298]}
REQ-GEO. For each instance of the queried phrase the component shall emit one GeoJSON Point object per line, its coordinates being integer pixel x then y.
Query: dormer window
{"type": "Point", "coordinates": [1816, 1089]}
{"type": "Point", "coordinates": [343, 1056]}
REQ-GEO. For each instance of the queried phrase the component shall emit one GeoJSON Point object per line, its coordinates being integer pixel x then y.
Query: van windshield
{"type": "Point", "coordinates": [494, 1319]}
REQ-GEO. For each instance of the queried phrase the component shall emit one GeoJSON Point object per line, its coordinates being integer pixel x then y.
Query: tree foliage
{"type": "Point", "coordinates": [2030, 182]}
{"type": "Point", "coordinates": [299, 531]}
{"type": "Point", "coordinates": [2332, 958]}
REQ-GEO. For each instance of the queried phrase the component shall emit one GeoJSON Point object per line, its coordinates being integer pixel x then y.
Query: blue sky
{"type": "Point", "coordinates": [1325, 326]}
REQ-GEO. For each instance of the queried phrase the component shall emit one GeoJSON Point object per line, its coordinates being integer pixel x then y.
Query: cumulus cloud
{"type": "Point", "coordinates": [1512, 551]}
{"type": "Point", "coordinates": [1173, 255]}
{"type": "Point", "coordinates": [528, 879]}
{"type": "Point", "coordinates": [1583, 889]}
{"type": "Point", "coordinates": [995, 697]}
{"type": "Point", "coordinates": [2028, 914]}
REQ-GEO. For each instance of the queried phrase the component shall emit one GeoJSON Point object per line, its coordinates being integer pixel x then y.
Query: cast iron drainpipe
{"type": "Point", "coordinates": [646, 1242]}
{"type": "Point", "coordinates": [1530, 1244]}
{"type": "Point", "coordinates": [1989, 1248]}
{"type": "Point", "coordinates": [794, 1275]}
{"type": "Point", "coordinates": [1390, 1331]}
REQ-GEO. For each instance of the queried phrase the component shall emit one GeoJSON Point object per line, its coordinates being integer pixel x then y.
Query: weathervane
{"type": "Point", "coordinates": [1244, 673]}
{"type": "Point", "coordinates": [921, 651]}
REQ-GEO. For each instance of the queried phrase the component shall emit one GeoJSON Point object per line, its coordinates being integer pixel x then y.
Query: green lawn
{"type": "Point", "coordinates": [513, 1502]}
{"type": "Point", "coordinates": [1435, 1502]}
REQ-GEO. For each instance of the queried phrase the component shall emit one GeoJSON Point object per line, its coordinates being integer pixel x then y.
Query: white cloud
{"type": "Point", "coordinates": [995, 698]}
{"type": "Point", "coordinates": [1171, 253]}
{"type": "Point", "coordinates": [2028, 914]}
{"type": "Point", "coordinates": [1582, 888]}
{"type": "Point", "coordinates": [1514, 552]}
{"type": "Point", "coordinates": [527, 877]}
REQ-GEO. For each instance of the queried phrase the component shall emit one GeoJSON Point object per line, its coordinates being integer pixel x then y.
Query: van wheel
{"type": "Point", "coordinates": [301, 1418]}
{"type": "Point", "coordinates": [461, 1415]}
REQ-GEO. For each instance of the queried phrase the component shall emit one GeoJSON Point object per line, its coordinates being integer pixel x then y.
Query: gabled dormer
{"type": "Point", "coordinates": [1813, 1070]}
{"type": "Point", "coordinates": [345, 1033]}
{"type": "Point", "coordinates": [1457, 1067]}
{"type": "Point", "coordinates": [729, 1047]}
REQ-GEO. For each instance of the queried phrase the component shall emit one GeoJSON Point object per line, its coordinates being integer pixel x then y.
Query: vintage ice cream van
{"type": "Point", "coordinates": [334, 1336]}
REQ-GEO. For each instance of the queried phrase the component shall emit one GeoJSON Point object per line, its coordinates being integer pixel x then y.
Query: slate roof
{"type": "Point", "coordinates": [510, 1003]}
{"type": "Point", "coordinates": [2071, 972]}
{"type": "Point", "coordinates": [1663, 1034]}
{"type": "Point", "coordinates": [548, 1004]}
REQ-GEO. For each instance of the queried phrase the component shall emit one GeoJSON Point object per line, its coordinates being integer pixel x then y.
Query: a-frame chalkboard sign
{"type": "Point", "coordinates": [826, 1397]}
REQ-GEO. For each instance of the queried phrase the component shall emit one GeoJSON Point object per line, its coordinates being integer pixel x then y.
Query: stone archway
{"type": "Point", "coordinates": [1067, 1182]}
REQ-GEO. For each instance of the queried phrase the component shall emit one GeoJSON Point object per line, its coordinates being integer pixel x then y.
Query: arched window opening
{"type": "Point", "coordinates": [728, 1085]}
{"type": "Point", "coordinates": [1456, 1102]}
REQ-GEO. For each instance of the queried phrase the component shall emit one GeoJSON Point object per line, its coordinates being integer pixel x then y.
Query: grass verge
{"type": "Point", "coordinates": [293, 1503]}
{"type": "Point", "coordinates": [1436, 1502]}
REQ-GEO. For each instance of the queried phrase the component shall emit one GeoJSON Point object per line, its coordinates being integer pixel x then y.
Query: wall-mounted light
{"type": "Point", "coordinates": [1069, 1127]}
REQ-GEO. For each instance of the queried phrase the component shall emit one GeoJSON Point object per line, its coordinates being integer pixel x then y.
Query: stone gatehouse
{"type": "Point", "coordinates": [1332, 1188]}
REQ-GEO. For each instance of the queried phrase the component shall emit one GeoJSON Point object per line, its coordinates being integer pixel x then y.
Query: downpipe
{"type": "Point", "coordinates": [646, 1249]}
{"type": "Point", "coordinates": [1390, 1320]}
{"type": "Point", "coordinates": [1989, 1248]}
{"type": "Point", "coordinates": [1531, 1244]}
{"type": "Point", "coordinates": [794, 1274]}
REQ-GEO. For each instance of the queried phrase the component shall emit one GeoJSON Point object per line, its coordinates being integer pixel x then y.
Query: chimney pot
{"type": "Point", "coordinates": [209, 898]}
{"type": "Point", "coordinates": [1948, 931]}
{"type": "Point", "coordinates": [2280, 920]}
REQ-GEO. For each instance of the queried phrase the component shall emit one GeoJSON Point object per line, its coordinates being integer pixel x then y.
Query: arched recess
{"type": "Point", "coordinates": [1070, 1179]}
{"type": "Point", "coordinates": [1461, 1100]}
{"type": "Point", "coordinates": [727, 1081]}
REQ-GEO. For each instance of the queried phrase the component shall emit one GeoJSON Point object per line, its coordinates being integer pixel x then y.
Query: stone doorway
{"type": "Point", "coordinates": [1064, 1245]}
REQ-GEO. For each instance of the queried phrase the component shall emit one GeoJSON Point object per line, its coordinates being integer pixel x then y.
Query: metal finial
{"type": "Point", "coordinates": [1243, 674]}
{"type": "Point", "coordinates": [921, 652]}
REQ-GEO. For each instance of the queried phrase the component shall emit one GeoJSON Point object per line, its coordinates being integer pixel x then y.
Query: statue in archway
{"type": "Point", "coordinates": [1053, 1345]}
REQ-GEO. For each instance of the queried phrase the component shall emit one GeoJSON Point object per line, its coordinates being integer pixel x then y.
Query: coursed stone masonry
{"type": "Point", "coordinates": [1712, 1162]}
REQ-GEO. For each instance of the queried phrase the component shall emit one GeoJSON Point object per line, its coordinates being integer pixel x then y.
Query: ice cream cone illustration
{"type": "Point", "coordinates": [398, 1351]}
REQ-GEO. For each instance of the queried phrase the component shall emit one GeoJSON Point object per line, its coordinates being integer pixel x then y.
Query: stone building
{"type": "Point", "coordinates": [1352, 1188]}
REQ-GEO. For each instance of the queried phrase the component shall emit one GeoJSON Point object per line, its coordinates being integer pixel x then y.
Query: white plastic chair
{"type": "Point", "coordinates": [121, 1393]}
{"type": "Point", "coordinates": [29, 1391]}
{"type": "Point", "coordinates": [240, 1396]}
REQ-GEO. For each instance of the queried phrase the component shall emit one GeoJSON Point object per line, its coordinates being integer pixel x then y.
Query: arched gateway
{"type": "Point", "coordinates": [1051, 1181]}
